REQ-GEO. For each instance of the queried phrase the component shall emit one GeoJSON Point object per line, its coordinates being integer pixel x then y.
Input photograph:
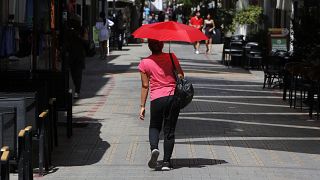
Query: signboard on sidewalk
{"type": "Point", "coordinates": [278, 39]}
{"type": "Point", "coordinates": [279, 43]}
{"type": "Point", "coordinates": [95, 36]}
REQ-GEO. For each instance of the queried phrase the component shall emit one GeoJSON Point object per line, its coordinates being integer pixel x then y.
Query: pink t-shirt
{"type": "Point", "coordinates": [159, 69]}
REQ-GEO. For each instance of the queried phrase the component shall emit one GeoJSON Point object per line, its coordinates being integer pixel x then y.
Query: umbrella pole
{"type": "Point", "coordinates": [169, 46]}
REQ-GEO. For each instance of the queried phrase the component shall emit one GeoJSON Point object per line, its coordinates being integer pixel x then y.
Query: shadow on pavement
{"type": "Point", "coordinates": [194, 162]}
{"type": "Point", "coordinates": [98, 74]}
{"type": "Point", "coordinates": [86, 147]}
{"type": "Point", "coordinates": [135, 45]}
{"type": "Point", "coordinates": [208, 66]}
{"type": "Point", "coordinates": [242, 114]}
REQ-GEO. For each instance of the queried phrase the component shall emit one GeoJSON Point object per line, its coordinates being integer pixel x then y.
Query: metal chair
{"type": "Point", "coordinates": [236, 52]}
{"type": "Point", "coordinates": [273, 68]}
{"type": "Point", "coordinates": [4, 163]}
{"type": "Point", "coordinates": [253, 55]}
{"type": "Point", "coordinates": [25, 169]}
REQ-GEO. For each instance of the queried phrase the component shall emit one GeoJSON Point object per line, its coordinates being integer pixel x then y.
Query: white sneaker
{"type": "Point", "coordinates": [76, 96]}
{"type": "Point", "coordinates": [166, 166]}
{"type": "Point", "coordinates": [154, 158]}
{"type": "Point", "coordinates": [197, 52]}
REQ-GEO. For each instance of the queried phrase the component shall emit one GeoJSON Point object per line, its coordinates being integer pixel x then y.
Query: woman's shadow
{"type": "Point", "coordinates": [195, 162]}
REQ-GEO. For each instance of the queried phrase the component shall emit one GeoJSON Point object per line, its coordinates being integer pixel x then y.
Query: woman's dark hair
{"type": "Point", "coordinates": [155, 46]}
{"type": "Point", "coordinates": [195, 13]}
{"type": "Point", "coordinates": [208, 15]}
{"type": "Point", "coordinates": [103, 17]}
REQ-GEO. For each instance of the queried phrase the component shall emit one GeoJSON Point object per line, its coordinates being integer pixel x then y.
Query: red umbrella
{"type": "Point", "coordinates": [169, 31]}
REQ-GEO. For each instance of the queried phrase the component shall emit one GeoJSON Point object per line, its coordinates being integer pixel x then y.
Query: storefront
{"type": "Point", "coordinates": [31, 55]}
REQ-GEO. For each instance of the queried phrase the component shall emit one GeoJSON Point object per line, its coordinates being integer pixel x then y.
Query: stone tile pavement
{"type": "Point", "coordinates": [233, 129]}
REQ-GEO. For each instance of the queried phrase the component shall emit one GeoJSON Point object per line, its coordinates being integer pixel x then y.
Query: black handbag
{"type": "Point", "coordinates": [184, 91]}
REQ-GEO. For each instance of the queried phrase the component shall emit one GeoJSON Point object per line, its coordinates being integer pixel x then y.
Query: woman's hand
{"type": "Point", "coordinates": [142, 113]}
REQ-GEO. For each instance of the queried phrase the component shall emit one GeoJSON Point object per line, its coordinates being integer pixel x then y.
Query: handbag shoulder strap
{"type": "Point", "coordinates": [175, 72]}
{"type": "Point", "coordinates": [174, 66]}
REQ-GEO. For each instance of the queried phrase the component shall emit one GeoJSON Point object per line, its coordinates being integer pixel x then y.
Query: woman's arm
{"type": "Point", "coordinates": [180, 72]}
{"type": "Point", "coordinates": [212, 22]}
{"type": "Point", "coordinates": [144, 94]}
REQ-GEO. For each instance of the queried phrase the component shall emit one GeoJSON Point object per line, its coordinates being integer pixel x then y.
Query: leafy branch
{"type": "Point", "coordinates": [248, 16]}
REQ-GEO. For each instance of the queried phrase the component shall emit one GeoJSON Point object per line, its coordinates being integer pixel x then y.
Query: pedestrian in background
{"type": "Point", "coordinates": [196, 22]}
{"type": "Point", "coordinates": [153, 18]}
{"type": "Point", "coordinates": [103, 25]}
{"type": "Point", "coordinates": [209, 32]}
{"type": "Point", "coordinates": [161, 16]}
{"type": "Point", "coordinates": [120, 26]}
{"type": "Point", "coordinates": [75, 45]}
{"type": "Point", "coordinates": [157, 75]}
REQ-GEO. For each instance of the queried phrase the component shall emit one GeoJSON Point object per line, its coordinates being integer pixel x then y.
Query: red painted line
{"type": "Point", "coordinates": [103, 97]}
{"type": "Point", "coordinates": [92, 110]}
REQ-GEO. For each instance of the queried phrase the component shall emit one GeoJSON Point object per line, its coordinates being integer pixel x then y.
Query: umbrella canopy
{"type": "Point", "coordinates": [169, 31]}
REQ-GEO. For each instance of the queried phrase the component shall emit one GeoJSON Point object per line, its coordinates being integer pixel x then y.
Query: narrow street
{"type": "Point", "coordinates": [233, 129]}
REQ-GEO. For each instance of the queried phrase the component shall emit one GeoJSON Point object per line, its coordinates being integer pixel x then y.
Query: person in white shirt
{"type": "Point", "coordinates": [103, 25]}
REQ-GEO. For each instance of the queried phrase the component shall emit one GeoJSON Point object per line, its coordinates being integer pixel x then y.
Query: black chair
{"type": "Point", "coordinates": [226, 51]}
{"type": "Point", "coordinates": [273, 68]}
{"type": "Point", "coordinates": [299, 83]}
{"type": "Point", "coordinates": [314, 92]}
{"type": "Point", "coordinates": [238, 37]}
{"type": "Point", "coordinates": [253, 55]}
{"type": "Point", "coordinates": [43, 140]}
{"type": "Point", "coordinates": [4, 163]}
{"type": "Point", "coordinates": [236, 52]}
{"type": "Point", "coordinates": [25, 169]}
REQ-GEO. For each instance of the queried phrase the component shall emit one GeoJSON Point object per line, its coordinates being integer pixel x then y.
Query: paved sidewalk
{"type": "Point", "coordinates": [233, 129]}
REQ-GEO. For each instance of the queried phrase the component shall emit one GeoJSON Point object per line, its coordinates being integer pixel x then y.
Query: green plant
{"type": "Point", "coordinates": [249, 16]}
{"type": "Point", "coordinates": [225, 17]}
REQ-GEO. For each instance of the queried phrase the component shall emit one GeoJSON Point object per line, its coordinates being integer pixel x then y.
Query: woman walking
{"type": "Point", "coordinates": [75, 44]}
{"type": "Point", "coordinates": [209, 32]}
{"type": "Point", "coordinates": [157, 75]}
{"type": "Point", "coordinates": [103, 26]}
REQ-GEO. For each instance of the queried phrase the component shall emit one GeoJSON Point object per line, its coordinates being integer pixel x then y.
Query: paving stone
{"type": "Point", "coordinates": [233, 129]}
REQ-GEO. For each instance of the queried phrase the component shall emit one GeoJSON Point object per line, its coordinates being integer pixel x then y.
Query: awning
{"type": "Point", "coordinates": [285, 5]}
{"type": "Point", "coordinates": [125, 1]}
{"type": "Point", "coordinates": [242, 4]}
